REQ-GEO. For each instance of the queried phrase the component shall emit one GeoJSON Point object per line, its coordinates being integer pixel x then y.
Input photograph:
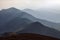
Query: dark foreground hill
{"type": "Point", "coordinates": [27, 36]}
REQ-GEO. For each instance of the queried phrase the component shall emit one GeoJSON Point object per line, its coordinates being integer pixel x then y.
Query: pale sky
{"type": "Point", "coordinates": [34, 4]}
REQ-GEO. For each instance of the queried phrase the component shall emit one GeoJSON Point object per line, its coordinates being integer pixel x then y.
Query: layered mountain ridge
{"type": "Point", "coordinates": [39, 28]}
{"type": "Point", "coordinates": [15, 20]}
{"type": "Point", "coordinates": [44, 14]}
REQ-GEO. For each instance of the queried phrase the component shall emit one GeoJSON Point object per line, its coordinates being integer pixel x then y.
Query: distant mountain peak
{"type": "Point", "coordinates": [12, 8]}
{"type": "Point", "coordinates": [28, 9]}
{"type": "Point", "coordinates": [37, 24]}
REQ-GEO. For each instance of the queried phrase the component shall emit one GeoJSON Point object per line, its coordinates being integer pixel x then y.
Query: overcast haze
{"type": "Point", "coordinates": [53, 15]}
{"type": "Point", "coordinates": [33, 4]}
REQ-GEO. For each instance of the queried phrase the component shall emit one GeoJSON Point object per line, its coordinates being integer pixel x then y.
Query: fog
{"type": "Point", "coordinates": [32, 4]}
{"type": "Point", "coordinates": [50, 8]}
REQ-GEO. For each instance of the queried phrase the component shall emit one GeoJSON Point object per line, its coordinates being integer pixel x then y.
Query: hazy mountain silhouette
{"type": "Point", "coordinates": [45, 22]}
{"type": "Point", "coordinates": [12, 19]}
{"type": "Point", "coordinates": [39, 28]}
{"type": "Point", "coordinates": [44, 13]}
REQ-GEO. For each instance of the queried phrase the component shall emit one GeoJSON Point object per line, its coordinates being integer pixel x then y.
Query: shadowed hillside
{"type": "Point", "coordinates": [38, 28]}
{"type": "Point", "coordinates": [27, 36]}
{"type": "Point", "coordinates": [12, 19]}
{"type": "Point", "coordinates": [41, 17]}
{"type": "Point", "coordinates": [15, 20]}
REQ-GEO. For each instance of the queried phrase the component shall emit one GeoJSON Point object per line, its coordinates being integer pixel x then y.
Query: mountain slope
{"type": "Point", "coordinates": [42, 14]}
{"type": "Point", "coordinates": [38, 28]}
{"type": "Point", "coordinates": [12, 19]}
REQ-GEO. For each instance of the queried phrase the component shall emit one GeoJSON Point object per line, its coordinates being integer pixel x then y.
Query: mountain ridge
{"type": "Point", "coordinates": [39, 28]}
{"type": "Point", "coordinates": [45, 22]}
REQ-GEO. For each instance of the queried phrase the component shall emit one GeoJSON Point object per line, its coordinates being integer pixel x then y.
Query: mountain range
{"type": "Point", "coordinates": [15, 20]}
{"type": "Point", "coordinates": [39, 28]}
{"type": "Point", "coordinates": [41, 14]}
{"type": "Point", "coordinates": [46, 14]}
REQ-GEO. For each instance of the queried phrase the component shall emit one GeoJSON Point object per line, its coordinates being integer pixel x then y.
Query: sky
{"type": "Point", "coordinates": [33, 4]}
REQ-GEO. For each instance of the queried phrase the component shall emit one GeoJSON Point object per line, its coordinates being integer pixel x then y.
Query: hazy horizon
{"type": "Point", "coordinates": [33, 4]}
{"type": "Point", "coordinates": [52, 6]}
